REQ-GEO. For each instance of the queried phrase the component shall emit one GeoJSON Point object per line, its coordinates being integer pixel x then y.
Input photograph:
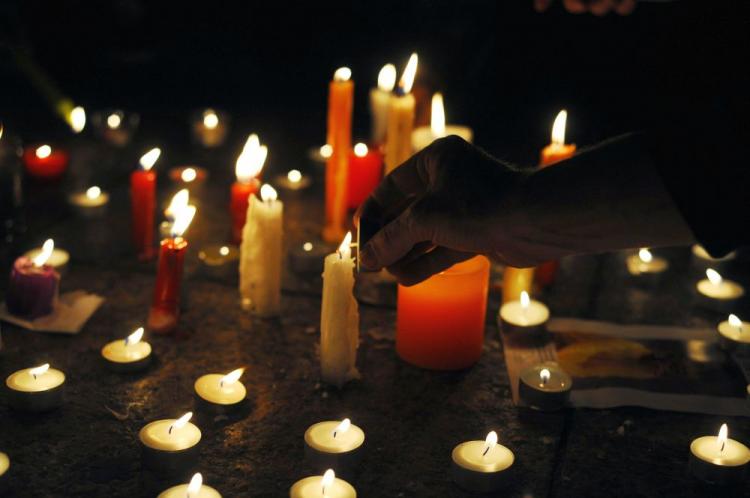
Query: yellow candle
{"type": "Point", "coordinates": [515, 281]}
{"type": "Point", "coordinates": [171, 434]}
{"type": "Point", "coordinates": [219, 389]}
{"type": "Point", "coordinates": [480, 466]}
{"type": "Point", "coordinates": [719, 459]}
{"type": "Point", "coordinates": [128, 355]}
{"type": "Point", "coordinates": [716, 287]}
{"type": "Point", "coordinates": [400, 119]}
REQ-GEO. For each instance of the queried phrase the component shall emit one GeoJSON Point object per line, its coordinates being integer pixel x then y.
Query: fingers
{"type": "Point", "coordinates": [420, 269]}
{"type": "Point", "coordinates": [394, 241]}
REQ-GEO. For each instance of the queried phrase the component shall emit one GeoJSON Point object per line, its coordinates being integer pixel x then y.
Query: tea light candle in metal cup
{"type": "Point", "coordinates": [37, 389]}
{"type": "Point", "coordinates": [325, 486]}
{"type": "Point", "coordinates": [524, 318]}
{"type": "Point", "coordinates": [334, 444]}
{"type": "Point", "coordinates": [482, 466]}
{"type": "Point", "coordinates": [220, 393]}
{"type": "Point", "coordinates": [4, 472]}
{"type": "Point", "coordinates": [219, 261]}
{"type": "Point", "coordinates": [170, 446]}
{"type": "Point", "coordinates": [645, 266]}
{"type": "Point", "coordinates": [294, 180]}
{"type": "Point", "coordinates": [734, 334]}
{"type": "Point", "coordinates": [545, 387]}
{"type": "Point", "coordinates": [90, 204]}
{"type": "Point", "coordinates": [719, 459]}
{"type": "Point", "coordinates": [128, 355]}
{"type": "Point", "coordinates": [308, 256]}
{"type": "Point", "coordinates": [194, 489]}
{"type": "Point", "coordinates": [718, 293]}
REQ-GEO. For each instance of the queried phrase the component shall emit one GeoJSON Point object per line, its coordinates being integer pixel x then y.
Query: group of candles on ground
{"type": "Point", "coordinates": [440, 322]}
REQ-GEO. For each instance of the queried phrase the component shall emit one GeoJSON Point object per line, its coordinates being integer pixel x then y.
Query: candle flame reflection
{"type": "Point", "coordinates": [342, 427]}
{"type": "Point", "coordinates": [489, 442]}
{"type": "Point", "coordinates": [224, 250]}
{"type": "Point", "coordinates": [387, 78]}
{"type": "Point", "coordinates": [735, 321]}
{"type": "Point", "coordinates": [360, 150]}
{"type": "Point", "coordinates": [342, 74]}
{"type": "Point", "coordinates": [645, 255]}
{"type": "Point", "coordinates": [148, 159]}
{"type": "Point", "coordinates": [250, 162]}
{"type": "Point", "coordinates": [180, 422]}
{"type": "Point", "coordinates": [307, 246]}
{"type": "Point", "coordinates": [43, 151]}
{"type": "Point", "coordinates": [437, 117]}
{"type": "Point", "coordinates": [722, 438]}
{"type": "Point", "coordinates": [196, 483]}
{"type": "Point", "coordinates": [558, 128]}
{"type": "Point", "coordinates": [713, 276]}
{"type": "Point", "coordinates": [268, 193]}
{"type": "Point", "coordinates": [43, 256]}
{"type": "Point", "coordinates": [231, 377]}
{"type": "Point", "coordinates": [40, 370]}
{"type": "Point", "coordinates": [327, 480]}
{"type": "Point", "coordinates": [407, 79]}
{"type": "Point", "coordinates": [135, 337]}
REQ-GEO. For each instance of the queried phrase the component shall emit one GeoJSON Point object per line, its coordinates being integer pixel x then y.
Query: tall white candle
{"type": "Point", "coordinates": [339, 318]}
{"type": "Point", "coordinates": [261, 254]}
{"type": "Point", "coordinates": [379, 97]}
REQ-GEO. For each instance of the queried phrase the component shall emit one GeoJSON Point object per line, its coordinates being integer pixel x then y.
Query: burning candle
{"type": "Point", "coordinates": [717, 292]}
{"type": "Point", "coordinates": [340, 106]}
{"type": "Point", "coordinates": [249, 165]}
{"type": "Point", "coordinates": [210, 127]}
{"type": "Point", "coordinates": [115, 126]}
{"type": "Point", "coordinates": [400, 119]}
{"type": "Point", "coordinates": [294, 180]}
{"type": "Point", "coordinates": [194, 489]}
{"type": "Point", "coordinates": [188, 176]}
{"type": "Point", "coordinates": [440, 322]}
{"type": "Point", "coordinates": [425, 135]}
{"type": "Point", "coordinates": [220, 393]}
{"type": "Point", "coordinates": [523, 317]}
{"type": "Point", "coordinates": [143, 201]}
{"type": "Point", "coordinates": [379, 97]}
{"type": "Point", "coordinates": [545, 387]}
{"type": "Point", "coordinates": [365, 172]}
{"type": "Point", "coordinates": [90, 204]}
{"type": "Point", "coordinates": [165, 307]}
{"type": "Point", "coordinates": [128, 355]}
{"type": "Point", "coordinates": [645, 264]}
{"type": "Point", "coordinates": [33, 286]}
{"type": "Point", "coordinates": [339, 317]}
{"type": "Point", "coordinates": [45, 163]}
{"type": "Point", "coordinates": [734, 334]}
{"type": "Point", "coordinates": [334, 444]}
{"type": "Point", "coordinates": [719, 459]}
{"type": "Point", "coordinates": [171, 445]}
{"type": "Point", "coordinates": [261, 254]}
{"type": "Point", "coordinates": [218, 261]}
{"type": "Point", "coordinates": [482, 466]}
{"type": "Point", "coordinates": [308, 257]}
{"type": "Point", "coordinates": [325, 486]}
{"type": "Point", "coordinates": [37, 389]}
{"type": "Point", "coordinates": [557, 150]}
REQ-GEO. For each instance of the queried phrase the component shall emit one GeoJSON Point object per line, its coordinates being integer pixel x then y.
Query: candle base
{"type": "Point", "coordinates": [543, 401]}
{"type": "Point", "coordinates": [233, 411]}
{"type": "Point", "coordinates": [727, 344]}
{"type": "Point", "coordinates": [169, 462]}
{"type": "Point", "coordinates": [722, 475]}
{"type": "Point", "coordinates": [346, 464]}
{"type": "Point", "coordinates": [129, 367]}
{"type": "Point", "coordinates": [162, 321]}
{"type": "Point", "coordinates": [480, 482]}
{"type": "Point", "coordinates": [36, 402]}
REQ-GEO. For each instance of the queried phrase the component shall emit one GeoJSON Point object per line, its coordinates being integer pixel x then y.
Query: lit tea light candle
{"type": "Point", "coordinates": [644, 263]}
{"type": "Point", "coordinates": [308, 257]}
{"type": "Point", "coordinates": [734, 334]}
{"type": "Point", "coordinates": [34, 285]}
{"type": "Point", "coordinates": [545, 387]}
{"type": "Point", "coordinates": [194, 489]}
{"type": "Point", "coordinates": [249, 165]}
{"type": "Point", "coordinates": [219, 260]}
{"type": "Point", "coordinates": [293, 180]}
{"type": "Point", "coordinates": [425, 135]}
{"type": "Point", "coordinates": [325, 486]}
{"type": "Point", "coordinates": [37, 389]}
{"type": "Point", "coordinates": [220, 393]}
{"type": "Point", "coordinates": [210, 127]}
{"type": "Point", "coordinates": [192, 177]}
{"type": "Point", "coordinates": [170, 445]}
{"type": "Point", "coordinates": [91, 203]}
{"type": "Point", "coordinates": [45, 162]}
{"type": "Point", "coordinates": [131, 354]}
{"type": "Point", "coordinates": [482, 466]}
{"type": "Point", "coordinates": [717, 292]}
{"type": "Point", "coordinates": [4, 466]}
{"type": "Point", "coordinates": [523, 316]}
{"type": "Point", "coordinates": [557, 150]}
{"type": "Point", "coordinates": [719, 459]}
{"type": "Point", "coordinates": [115, 126]}
{"type": "Point", "coordinates": [379, 98]}
{"type": "Point", "coordinates": [334, 444]}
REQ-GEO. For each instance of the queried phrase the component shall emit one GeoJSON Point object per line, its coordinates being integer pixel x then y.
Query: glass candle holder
{"type": "Point", "coordinates": [115, 126]}
{"type": "Point", "coordinates": [440, 322]}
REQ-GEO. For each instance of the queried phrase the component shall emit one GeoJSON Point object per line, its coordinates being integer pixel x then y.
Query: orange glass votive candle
{"type": "Point", "coordinates": [440, 322]}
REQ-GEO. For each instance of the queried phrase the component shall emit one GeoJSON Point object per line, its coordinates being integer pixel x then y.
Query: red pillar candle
{"type": "Point", "coordinates": [165, 308]}
{"type": "Point", "coordinates": [365, 172]}
{"type": "Point", "coordinates": [44, 162]}
{"type": "Point", "coordinates": [143, 201]}
{"type": "Point", "coordinates": [33, 285]}
{"type": "Point", "coordinates": [249, 165]}
{"type": "Point", "coordinates": [440, 322]}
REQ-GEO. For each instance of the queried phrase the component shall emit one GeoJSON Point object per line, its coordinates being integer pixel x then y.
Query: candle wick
{"type": "Point", "coordinates": [34, 376]}
{"type": "Point", "coordinates": [334, 434]}
{"type": "Point", "coordinates": [170, 429]}
{"type": "Point", "coordinates": [723, 443]}
{"type": "Point", "coordinates": [486, 450]}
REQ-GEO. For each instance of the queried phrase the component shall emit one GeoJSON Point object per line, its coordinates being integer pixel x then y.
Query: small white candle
{"type": "Point", "coordinates": [224, 391]}
{"type": "Point", "coordinates": [170, 445]}
{"type": "Point", "coordinates": [194, 489]}
{"type": "Point", "coordinates": [644, 262]}
{"type": "Point", "coordinates": [334, 443]}
{"type": "Point", "coordinates": [36, 389]}
{"type": "Point", "coordinates": [425, 135]}
{"type": "Point", "coordinates": [719, 459]}
{"type": "Point", "coordinates": [735, 333]}
{"type": "Point", "coordinates": [481, 466]}
{"type": "Point", "coordinates": [90, 203]}
{"type": "Point", "coordinates": [261, 254]}
{"type": "Point", "coordinates": [545, 386]}
{"type": "Point", "coordinates": [716, 287]}
{"type": "Point", "coordinates": [325, 486]}
{"type": "Point", "coordinates": [128, 355]}
{"type": "Point", "coordinates": [525, 312]}
{"type": "Point", "coordinates": [339, 318]}
{"type": "Point", "coordinates": [379, 97]}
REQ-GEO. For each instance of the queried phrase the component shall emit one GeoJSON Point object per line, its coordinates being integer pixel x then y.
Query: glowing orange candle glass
{"type": "Point", "coordinates": [440, 322]}
{"type": "Point", "coordinates": [248, 167]}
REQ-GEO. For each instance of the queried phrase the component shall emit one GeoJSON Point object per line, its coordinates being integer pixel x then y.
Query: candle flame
{"type": "Point", "coordinates": [735, 321]}
{"type": "Point", "coordinates": [645, 255]}
{"type": "Point", "coordinates": [188, 175]}
{"type": "Point", "coordinates": [224, 250]}
{"type": "Point", "coordinates": [114, 120]}
{"type": "Point", "coordinates": [231, 377]}
{"type": "Point", "coordinates": [437, 118]}
{"type": "Point", "coordinates": [294, 176]}
{"type": "Point", "coordinates": [342, 427]}
{"type": "Point", "coordinates": [182, 220]}
{"type": "Point", "coordinates": [2, 128]}
{"type": "Point", "coordinates": [268, 193]}
{"type": "Point", "coordinates": [326, 151]}
{"type": "Point", "coordinates": [342, 74]}
{"type": "Point", "coordinates": [250, 162]}
{"type": "Point", "coordinates": [489, 442]}
{"type": "Point", "coordinates": [713, 276]}
{"type": "Point", "coordinates": [179, 202]}
{"type": "Point", "coordinates": [360, 150]}
{"type": "Point", "coordinates": [387, 78]}
{"type": "Point", "coordinates": [40, 370]}
{"type": "Point", "coordinates": [307, 246]}
{"type": "Point", "coordinates": [43, 256]}
{"type": "Point", "coordinates": [525, 299]}
{"type": "Point", "coordinates": [544, 375]}
{"type": "Point", "coordinates": [196, 483]}
{"type": "Point", "coordinates": [135, 337]}
{"type": "Point", "coordinates": [180, 422]}
{"type": "Point", "coordinates": [43, 151]}
{"type": "Point", "coordinates": [722, 438]}
{"type": "Point", "coordinates": [327, 480]}
{"type": "Point", "coordinates": [558, 128]}
{"type": "Point", "coordinates": [149, 158]}
{"type": "Point", "coordinates": [210, 119]}
{"type": "Point", "coordinates": [407, 79]}
{"type": "Point", "coordinates": [93, 192]}
{"type": "Point", "coordinates": [77, 119]}
{"type": "Point", "coordinates": [345, 250]}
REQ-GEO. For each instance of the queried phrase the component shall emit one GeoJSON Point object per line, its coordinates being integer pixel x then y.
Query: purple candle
{"type": "Point", "coordinates": [33, 285]}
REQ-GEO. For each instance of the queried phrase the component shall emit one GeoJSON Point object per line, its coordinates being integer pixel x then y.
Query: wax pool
{"type": "Point", "coordinates": [440, 322]}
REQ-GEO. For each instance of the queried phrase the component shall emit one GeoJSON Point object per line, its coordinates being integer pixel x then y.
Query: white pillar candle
{"type": "Point", "coordinates": [221, 392]}
{"type": "Point", "coordinates": [90, 203]}
{"type": "Point", "coordinates": [425, 135]}
{"type": "Point", "coordinates": [170, 445]}
{"type": "Point", "coordinates": [481, 466]}
{"type": "Point", "coordinates": [334, 444]}
{"type": "Point", "coordinates": [194, 489]}
{"type": "Point", "coordinates": [261, 254]}
{"type": "Point", "coordinates": [719, 459]}
{"type": "Point", "coordinates": [36, 389]}
{"type": "Point", "coordinates": [325, 486]}
{"type": "Point", "coordinates": [379, 97]}
{"type": "Point", "coordinates": [545, 386]}
{"type": "Point", "coordinates": [339, 318]}
{"type": "Point", "coordinates": [645, 263]}
{"type": "Point", "coordinates": [128, 355]}
{"type": "Point", "coordinates": [734, 334]}
{"type": "Point", "coordinates": [717, 292]}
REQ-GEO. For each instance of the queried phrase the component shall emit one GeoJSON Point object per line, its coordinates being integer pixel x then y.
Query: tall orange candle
{"type": "Point", "coordinates": [440, 322]}
{"type": "Point", "coordinates": [340, 105]}
{"type": "Point", "coordinates": [400, 119]}
{"type": "Point", "coordinates": [248, 167]}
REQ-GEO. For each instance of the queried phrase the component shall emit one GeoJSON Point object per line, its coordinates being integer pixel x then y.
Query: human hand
{"type": "Point", "coordinates": [596, 7]}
